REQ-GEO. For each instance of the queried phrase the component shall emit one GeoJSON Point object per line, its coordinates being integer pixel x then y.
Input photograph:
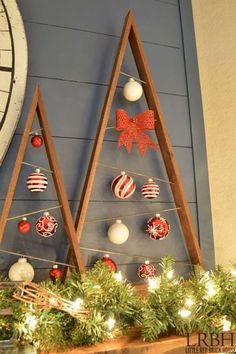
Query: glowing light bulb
{"type": "Point", "coordinates": [152, 283]}
{"type": "Point", "coordinates": [189, 302]}
{"type": "Point", "coordinates": [233, 271]}
{"type": "Point", "coordinates": [226, 324]}
{"type": "Point", "coordinates": [170, 274]}
{"type": "Point", "coordinates": [184, 313]}
{"type": "Point", "coordinates": [111, 323]}
{"type": "Point", "coordinates": [52, 301]}
{"type": "Point", "coordinates": [118, 276]}
{"type": "Point", "coordinates": [31, 321]}
{"type": "Point", "coordinates": [77, 304]}
{"type": "Point", "coordinates": [211, 289]}
{"type": "Point", "coordinates": [97, 286]}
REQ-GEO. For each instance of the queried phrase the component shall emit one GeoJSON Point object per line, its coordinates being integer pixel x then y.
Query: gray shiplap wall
{"type": "Point", "coordinates": [72, 45]}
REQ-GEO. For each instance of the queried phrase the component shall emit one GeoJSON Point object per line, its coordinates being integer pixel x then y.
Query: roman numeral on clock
{"type": "Point", "coordinates": [6, 68]}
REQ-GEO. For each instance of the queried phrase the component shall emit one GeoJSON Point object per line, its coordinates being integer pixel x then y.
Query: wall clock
{"type": "Point", "coordinates": [13, 71]}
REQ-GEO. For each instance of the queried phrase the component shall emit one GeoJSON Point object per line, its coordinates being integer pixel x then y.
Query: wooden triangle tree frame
{"type": "Point", "coordinates": [37, 106]}
{"type": "Point", "coordinates": [130, 34]}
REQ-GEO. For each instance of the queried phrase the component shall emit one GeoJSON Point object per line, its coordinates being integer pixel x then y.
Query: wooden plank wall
{"type": "Point", "coordinates": [72, 45]}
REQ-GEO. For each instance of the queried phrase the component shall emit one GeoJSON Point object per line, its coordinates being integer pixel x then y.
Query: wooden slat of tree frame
{"type": "Point", "coordinates": [130, 34]}
{"type": "Point", "coordinates": [166, 147]}
{"type": "Point", "coordinates": [37, 106]}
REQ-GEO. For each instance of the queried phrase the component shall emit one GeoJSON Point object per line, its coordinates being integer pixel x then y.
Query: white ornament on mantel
{"type": "Point", "coordinates": [21, 271]}
{"type": "Point", "coordinates": [132, 90]}
{"type": "Point", "coordinates": [118, 233]}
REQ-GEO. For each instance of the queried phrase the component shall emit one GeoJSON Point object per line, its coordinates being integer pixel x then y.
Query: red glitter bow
{"type": "Point", "coordinates": [134, 129]}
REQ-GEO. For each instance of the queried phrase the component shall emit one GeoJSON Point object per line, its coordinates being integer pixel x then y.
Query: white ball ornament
{"type": "Point", "coordinates": [21, 271]}
{"type": "Point", "coordinates": [132, 90]}
{"type": "Point", "coordinates": [118, 233]}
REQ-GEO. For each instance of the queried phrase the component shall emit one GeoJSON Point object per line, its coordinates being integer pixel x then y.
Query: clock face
{"type": "Point", "coordinates": [13, 71]}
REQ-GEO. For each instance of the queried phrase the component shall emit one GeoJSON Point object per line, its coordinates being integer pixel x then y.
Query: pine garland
{"type": "Point", "coordinates": [206, 302]}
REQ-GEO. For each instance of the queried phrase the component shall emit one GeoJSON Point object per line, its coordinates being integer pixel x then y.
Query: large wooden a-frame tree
{"type": "Point", "coordinates": [37, 106]}
{"type": "Point", "coordinates": [130, 35]}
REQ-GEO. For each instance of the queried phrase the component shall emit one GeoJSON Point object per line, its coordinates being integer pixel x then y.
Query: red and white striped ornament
{"type": "Point", "coordinates": [123, 186]}
{"type": "Point", "coordinates": [157, 228]}
{"type": "Point", "coordinates": [150, 190]}
{"type": "Point", "coordinates": [146, 270]}
{"type": "Point", "coordinates": [46, 225]}
{"type": "Point", "coordinates": [37, 181]}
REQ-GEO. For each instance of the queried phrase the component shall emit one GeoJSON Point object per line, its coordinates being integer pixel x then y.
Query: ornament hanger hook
{"type": "Point", "coordinates": [133, 77]}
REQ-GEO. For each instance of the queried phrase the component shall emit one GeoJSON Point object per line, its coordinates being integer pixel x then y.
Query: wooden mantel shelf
{"type": "Point", "coordinates": [132, 344]}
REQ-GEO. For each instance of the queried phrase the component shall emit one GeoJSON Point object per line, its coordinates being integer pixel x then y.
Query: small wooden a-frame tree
{"type": "Point", "coordinates": [37, 106]}
{"type": "Point", "coordinates": [130, 34]}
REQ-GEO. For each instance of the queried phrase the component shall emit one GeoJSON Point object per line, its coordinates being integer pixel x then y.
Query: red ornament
{"type": "Point", "coordinates": [146, 270]}
{"type": "Point", "coordinates": [123, 186]}
{"type": "Point", "coordinates": [110, 263]}
{"type": "Point", "coordinates": [37, 181]}
{"type": "Point", "coordinates": [157, 228]}
{"type": "Point", "coordinates": [24, 226]}
{"type": "Point", "coordinates": [134, 129]}
{"type": "Point", "coordinates": [37, 140]}
{"type": "Point", "coordinates": [55, 273]}
{"type": "Point", "coordinates": [150, 190]}
{"type": "Point", "coordinates": [46, 225]}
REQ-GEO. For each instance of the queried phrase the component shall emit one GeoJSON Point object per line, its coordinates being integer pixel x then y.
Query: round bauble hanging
{"type": "Point", "coordinates": [55, 273]}
{"type": "Point", "coordinates": [37, 140]}
{"type": "Point", "coordinates": [146, 270]}
{"type": "Point", "coordinates": [150, 190]}
{"type": "Point", "coordinates": [157, 228]}
{"type": "Point", "coordinates": [118, 233]}
{"type": "Point", "coordinates": [123, 186]}
{"type": "Point", "coordinates": [24, 226]}
{"type": "Point", "coordinates": [37, 181]}
{"type": "Point", "coordinates": [21, 271]}
{"type": "Point", "coordinates": [109, 262]}
{"type": "Point", "coordinates": [132, 90]}
{"type": "Point", "coordinates": [46, 225]}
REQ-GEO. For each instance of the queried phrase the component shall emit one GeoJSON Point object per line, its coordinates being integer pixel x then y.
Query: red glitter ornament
{"type": "Point", "coordinates": [110, 263]}
{"type": "Point", "coordinates": [123, 186]}
{"type": "Point", "coordinates": [157, 228]}
{"type": "Point", "coordinates": [24, 226]}
{"type": "Point", "coordinates": [46, 225]}
{"type": "Point", "coordinates": [37, 140]}
{"type": "Point", "coordinates": [146, 270]}
{"type": "Point", "coordinates": [55, 273]}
